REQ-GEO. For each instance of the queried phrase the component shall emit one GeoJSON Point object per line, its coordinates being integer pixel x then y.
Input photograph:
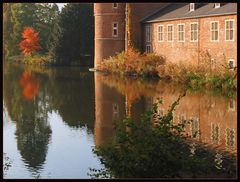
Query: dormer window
{"type": "Point", "coordinates": [192, 7]}
{"type": "Point", "coordinates": [217, 5]}
{"type": "Point", "coordinates": [115, 5]}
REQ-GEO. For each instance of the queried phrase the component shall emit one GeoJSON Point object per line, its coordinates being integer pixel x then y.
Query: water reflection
{"type": "Point", "coordinates": [213, 124]}
{"type": "Point", "coordinates": [31, 93]}
{"type": "Point", "coordinates": [30, 115]}
{"type": "Point", "coordinates": [96, 102]}
{"type": "Point", "coordinates": [30, 85]}
{"type": "Point", "coordinates": [214, 118]}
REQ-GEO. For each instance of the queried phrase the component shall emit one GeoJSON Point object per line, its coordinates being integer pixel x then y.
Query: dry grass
{"type": "Point", "coordinates": [133, 63]}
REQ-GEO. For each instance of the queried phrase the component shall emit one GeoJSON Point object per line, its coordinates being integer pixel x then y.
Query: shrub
{"type": "Point", "coordinates": [37, 59]}
{"type": "Point", "coordinates": [133, 63]}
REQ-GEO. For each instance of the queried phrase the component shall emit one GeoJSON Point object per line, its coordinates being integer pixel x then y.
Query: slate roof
{"type": "Point", "coordinates": [176, 11]}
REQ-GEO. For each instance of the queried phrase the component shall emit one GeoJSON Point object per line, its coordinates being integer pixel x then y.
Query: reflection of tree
{"type": "Point", "coordinates": [32, 129]}
{"type": "Point", "coordinates": [135, 88]}
{"type": "Point", "coordinates": [32, 140]}
{"type": "Point", "coordinates": [30, 85]}
{"type": "Point", "coordinates": [74, 97]}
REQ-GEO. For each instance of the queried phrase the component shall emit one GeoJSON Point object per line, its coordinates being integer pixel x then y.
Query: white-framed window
{"type": "Point", "coordinates": [148, 33]}
{"type": "Point", "coordinates": [229, 30]}
{"type": "Point", "coordinates": [115, 5]}
{"type": "Point", "coordinates": [231, 63]}
{"type": "Point", "coordinates": [115, 29]}
{"type": "Point", "coordinates": [194, 32]}
{"type": "Point", "coordinates": [181, 32]}
{"type": "Point", "coordinates": [215, 134]}
{"type": "Point", "coordinates": [214, 29]}
{"type": "Point", "coordinates": [170, 33]}
{"type": "Point", "coordinates": [160, 33]}
{"type": "Point", "coordinates": [191, 6]}
{"type": "Point", "coordinates": [148, 48]}
{"type": "Point", "coordinates": [216, 5]}
{"type": "Point", "coordinates": [230, 134]}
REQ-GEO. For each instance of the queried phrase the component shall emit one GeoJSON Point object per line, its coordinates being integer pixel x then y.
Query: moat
{"type": "Point", "coordinates": [54, 117]}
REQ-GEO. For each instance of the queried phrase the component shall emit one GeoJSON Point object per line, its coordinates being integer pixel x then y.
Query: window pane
{"type": "Point", "coordinates": [213, 35]}
{"type": "Point", "coordinates": [231, 35]}
{"type": "Point", "coordinates": [231, 24]}
{"type": "Point", "coordinates": [227, 25]}
{"type": "Point", "coordinates": [216, 35]}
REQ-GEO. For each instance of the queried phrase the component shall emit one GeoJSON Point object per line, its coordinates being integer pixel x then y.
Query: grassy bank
{"type": "Point", "coordinates": [35, 59]}
{"type": "Point", "coordinates": [132, 63]}
{"type": "Point", "coordinates": [201, 76]}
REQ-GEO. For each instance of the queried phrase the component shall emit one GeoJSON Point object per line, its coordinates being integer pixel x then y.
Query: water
{"type": "Point", "coordinates": [53, 117]}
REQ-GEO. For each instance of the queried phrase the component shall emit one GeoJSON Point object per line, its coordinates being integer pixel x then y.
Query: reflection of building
{"type": "Point", "coordinates": [212, 120]}
{"type": "Point", "coordinates": [110, 107]}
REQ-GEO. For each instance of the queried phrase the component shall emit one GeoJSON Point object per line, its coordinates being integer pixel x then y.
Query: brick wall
{"type": "Point", "coordinates": [138, 12]}
{"type": "Point", "coordinates": [189, 51]}
{"type": "Point", "coordinates": [105, 44]}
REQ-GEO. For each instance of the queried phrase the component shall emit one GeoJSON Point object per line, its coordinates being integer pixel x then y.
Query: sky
{"type": "Point", "coordinates": [60, 5]}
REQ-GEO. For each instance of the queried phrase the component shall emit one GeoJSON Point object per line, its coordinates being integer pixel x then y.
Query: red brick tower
{"type": "Point", "coordinates": [109, 30]}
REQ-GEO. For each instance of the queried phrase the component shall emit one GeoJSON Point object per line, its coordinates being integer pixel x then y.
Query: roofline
{"type": "Point", "coordinates": [155, 12]}
{"type": "Point", "coordinates": [191, 17]}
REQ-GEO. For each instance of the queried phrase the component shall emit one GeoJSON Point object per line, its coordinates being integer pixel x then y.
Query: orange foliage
{"type": "Point", "coordinates": [31, 41]}
{"type": "Point", "coordinates": [30, 85]}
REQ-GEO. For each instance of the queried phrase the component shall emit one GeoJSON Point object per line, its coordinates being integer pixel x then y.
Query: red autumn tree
{"type": "Point", "coordinates": [31, 41]}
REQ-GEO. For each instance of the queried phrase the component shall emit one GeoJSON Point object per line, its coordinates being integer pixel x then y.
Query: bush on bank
{"type": "Point", "coordinates": [133, 63]}
{"type": "Point", "coordinates": [201, 76]}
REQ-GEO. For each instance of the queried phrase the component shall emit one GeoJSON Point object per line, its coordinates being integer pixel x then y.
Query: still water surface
{"type": "Point", "coordinates": [53, 117]}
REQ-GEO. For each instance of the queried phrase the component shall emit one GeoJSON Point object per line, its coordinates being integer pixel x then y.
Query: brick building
{"type": "Point", "coordinates": [181, 32]}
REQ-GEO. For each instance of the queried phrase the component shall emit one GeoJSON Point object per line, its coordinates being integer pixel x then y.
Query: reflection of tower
{"type": "Point", "coordinates": [128, 104]}
{"type": "Point", "coordinates": [109, 30]}
{"type": "Point", "coordinates": [108, 109]}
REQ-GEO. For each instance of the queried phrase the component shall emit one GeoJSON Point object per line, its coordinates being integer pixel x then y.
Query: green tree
{"type": "Point", "coordinates": [73, 33]}
{"type": "Point", "coordinates": [46, 17]}
{"type": "Point", "coordinates": [16, 16]}
{"type": "Point", "coordinates": [7, 29]}
{"type": "Point", "coordinates": [23, 15]}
